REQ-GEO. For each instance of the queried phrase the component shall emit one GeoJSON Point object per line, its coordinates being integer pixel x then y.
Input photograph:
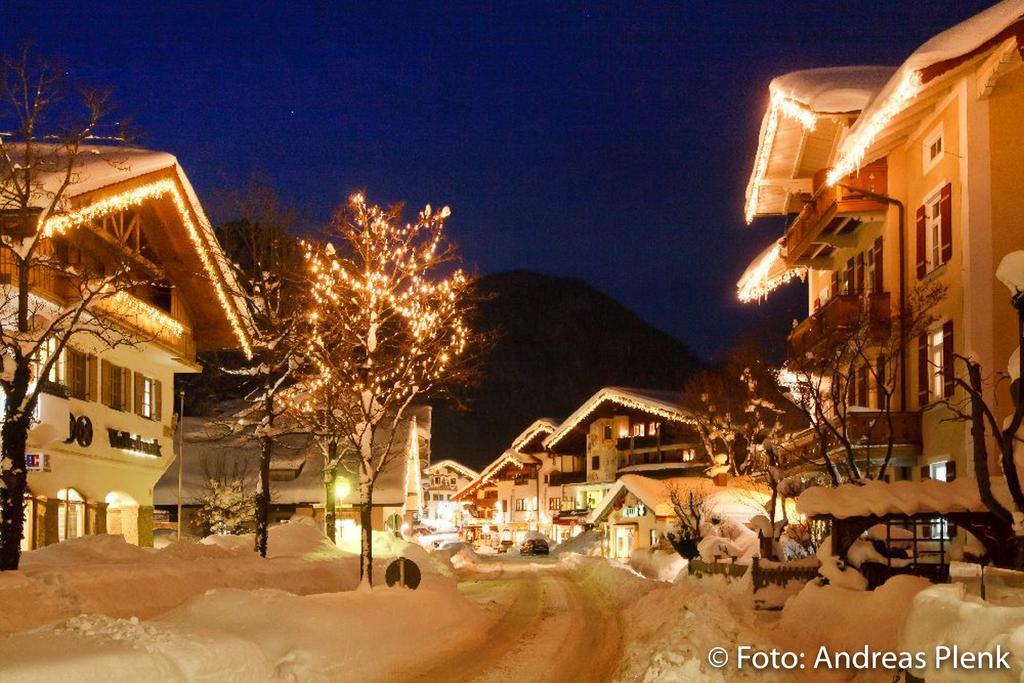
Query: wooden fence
{"type": "Point", "coordinates": [777, 574]}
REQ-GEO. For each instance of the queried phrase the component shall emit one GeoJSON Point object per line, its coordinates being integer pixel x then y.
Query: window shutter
{"type": "Point", "coordinates": [951, 470]}
{"type": "Point", "coordinates": [880, 381]}
{"type": "Point", "coordinates": [849, 277]}
{"type": "Point", "coordinates": [946, 215]}
{"type": "Point", "coordinates": [922, 370]}
{"type": "Point", "coordinates": [922, 248]}
{"type": "Point", "coordinates": [92, 380]}
{"type": "Point", "coordinates": [948, 371]}
{"type": "Point", "coordinates": [862, 386]}
{"type": "Point", "coordinates": [878, 265]}
{"type": "Point", "coordinates": [158, 400]}
{"type": "Point", "coordinates": [925, 473]}
{"type": "Point", "coordinates": [860, 273]}
{"type": "Point", "coordinates": [108, 383]}
{"type": "Point", "coordinates": [137, 393]}
{"type": "Point", "coordinates": [835, 284]}
{"type": "Point", "coordinates": [126, 389]}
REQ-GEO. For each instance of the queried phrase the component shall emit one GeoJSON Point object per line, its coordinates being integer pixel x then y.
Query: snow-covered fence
{"type": "Point", "coordinates": [763, 573]}
{"type": "Point", "coordinates": [767, 573]}
{"type": "Point", "coordinates": [732, 570]}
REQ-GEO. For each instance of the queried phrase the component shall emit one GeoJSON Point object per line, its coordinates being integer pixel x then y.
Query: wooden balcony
{"type": "Point", "coordinates": [871, 427]}
{"type": "Point", "coordinates": [565, 478]}
{"type": "Point", "coordinates": [834, 213]}
{"type": "Point", "coordinates": [841, 315]}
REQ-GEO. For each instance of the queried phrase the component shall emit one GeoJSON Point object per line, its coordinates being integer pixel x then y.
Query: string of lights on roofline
{"type": "Point", "coordinates": [623, 400]}
{"type": "Point", "coordinates": [59, 223]}
{"type": "Point", "coordinates": [909, 86]}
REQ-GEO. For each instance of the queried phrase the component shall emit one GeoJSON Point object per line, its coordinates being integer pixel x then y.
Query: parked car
{"type": "Point", "coordinates": [505, 546]}
{"type": "Point", "coordinates": [534, 546]}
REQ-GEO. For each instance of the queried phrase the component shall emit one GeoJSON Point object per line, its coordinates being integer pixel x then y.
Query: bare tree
{"type": "Point", "coordinates": [855, 359]}
{"type": "Point", "coordinates": [388, 326]}
{"type": "Point", "coordinates": [54, 293]}
{"type": "Point", "coordinates": [268, 267]}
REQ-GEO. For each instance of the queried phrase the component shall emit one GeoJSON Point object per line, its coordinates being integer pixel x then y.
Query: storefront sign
{"type": "Point", "coordinates": [36, 462]}
{"type": "Point", "coordinates": [79, 430]}
{"type": "Point", "coordinates": [634, 511]}
{"type": "Point", "coordinates": [132, 442]}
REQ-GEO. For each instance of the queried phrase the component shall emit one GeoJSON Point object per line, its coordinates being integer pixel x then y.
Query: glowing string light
{"type": "Point", "coordinates": [867, 130]}
{"type": "Point", "coordinates": [59, 223]}
{"type": "Point", "coordinates": [780, 104]}
{"type": "Point", "coordinates": [620, 398]}
{"type": "Point", "coordinates": [766, 274]}
{"type": "Point", "coordinates": [125, 302]}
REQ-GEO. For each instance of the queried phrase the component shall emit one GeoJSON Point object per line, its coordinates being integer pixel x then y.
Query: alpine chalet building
{"type": "Point", "coordinates": [106, 423]}
{"type": "Point", "coordinates": [892, 180]}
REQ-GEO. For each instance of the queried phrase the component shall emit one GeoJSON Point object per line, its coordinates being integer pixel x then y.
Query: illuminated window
{"type": "Point", "coordinates": [70, 514]}
{"type": "Point", "coordinates": [936, 381]}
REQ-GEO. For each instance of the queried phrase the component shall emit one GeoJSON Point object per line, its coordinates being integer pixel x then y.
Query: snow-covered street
{"type": "Point", "coordinates": [545, 625]}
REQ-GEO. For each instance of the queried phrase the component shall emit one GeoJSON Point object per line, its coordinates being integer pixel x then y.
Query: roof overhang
{"type": "Point", "coordinates": [631, 399]}
{"type": "Point", "coordinates": [533, 436]}
{"type": "Point", "coordinates": [107, 180]}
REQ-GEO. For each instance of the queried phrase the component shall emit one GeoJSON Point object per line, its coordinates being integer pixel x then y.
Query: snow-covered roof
{"type": "Point", "coordinates": [877, 498]}
{"type": "Point", "coordinates": [807, 111]}
{"type": "Point", "coordinates": [740, 499]}
{"type": "Point", "coordinates": [509, 457]}
{"type": "Point", "coordinates": [833, 90]}
{"type": "Point", "coordinates": [211, 451]}
{"type": "Point", "coordinates": [766, 272]}
{"type": "Point", "coordinates": [543, 425]}
{"type": "Point", "coordinates": [664, 404]}
{"type": "Point", "coordinates": [214, 448]}
{"type": "Point", "coordinates": [104, 174]}
{"type": "Point", "coordinates": [908, 80]}
{"type": "Point", "coordinates": [441, 465]}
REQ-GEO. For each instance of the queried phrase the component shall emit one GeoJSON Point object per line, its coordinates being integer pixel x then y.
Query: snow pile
{"type": "Point", "coordinates": [252, 635]}
{"type": "Point", "coordinates": [845, 619]}
{"type": "Point", "coordinates": [298, 538]}
{"type": "Point", "coordinates": [584, 543]}
{"type": "Point", "coordinates": [95, 549]}
{"type": "Point", "coordinates": [106, 575]}
{"type": "Point", "coordinates": [836, 571]}
{"type": "Point", "coordinates": [661, 565]}
{"type": "Point", "coordinates": [727, 538]}
{"type": "Point", "coordinates": [898, 497]}
{"type": "Point", "coordinates": [672, 629]}
{"type": "Point", "coordinates": [945, 615]}
{"type": "Point", "coordinates": [612, 581]}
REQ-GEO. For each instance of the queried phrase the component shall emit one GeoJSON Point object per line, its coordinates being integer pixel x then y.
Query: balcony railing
{"type": "Point", "coordinates": [565, 478]}
{"type": "Point", "coordinates": [829, 213]}
{"type": "Point", "coordinates": [628, 443]}
{"type": "Point", "coordinates": [872, 427]}
{"type": "Point", "coordinates": [841, 316]}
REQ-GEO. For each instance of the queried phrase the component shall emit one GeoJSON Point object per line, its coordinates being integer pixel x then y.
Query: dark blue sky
{"type": "Point", "coordinates": [607, 141]}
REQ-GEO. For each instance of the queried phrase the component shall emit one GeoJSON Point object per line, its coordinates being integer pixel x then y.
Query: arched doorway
{"type": "Point", "coordinates": [123, 516]}
{"type": "Point", "coordinates": [70, 514]}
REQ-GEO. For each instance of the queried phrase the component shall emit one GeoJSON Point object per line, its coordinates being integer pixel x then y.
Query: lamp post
{"type": "Point", "coordinates": [181, 452]}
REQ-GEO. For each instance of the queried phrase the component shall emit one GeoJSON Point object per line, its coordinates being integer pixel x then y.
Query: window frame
{"type": "Point", "coordinates": [928, 162]}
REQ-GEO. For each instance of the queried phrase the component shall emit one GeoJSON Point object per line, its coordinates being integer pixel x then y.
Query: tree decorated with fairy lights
{"type": "Point", "coordinates": [387, 327]}
{"type": "Point", "coordinates": [48, 301]}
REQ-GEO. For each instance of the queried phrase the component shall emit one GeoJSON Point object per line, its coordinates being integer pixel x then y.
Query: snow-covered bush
{"type": "Point", "coordinates": [226, 507]}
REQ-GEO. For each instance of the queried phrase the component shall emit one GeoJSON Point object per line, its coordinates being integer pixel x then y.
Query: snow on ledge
{"type": "Point", "coordinates": [901, 497]}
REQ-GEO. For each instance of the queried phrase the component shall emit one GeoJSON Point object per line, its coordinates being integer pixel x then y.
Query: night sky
{"type": "Point", "coordinates": [612, 142]}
